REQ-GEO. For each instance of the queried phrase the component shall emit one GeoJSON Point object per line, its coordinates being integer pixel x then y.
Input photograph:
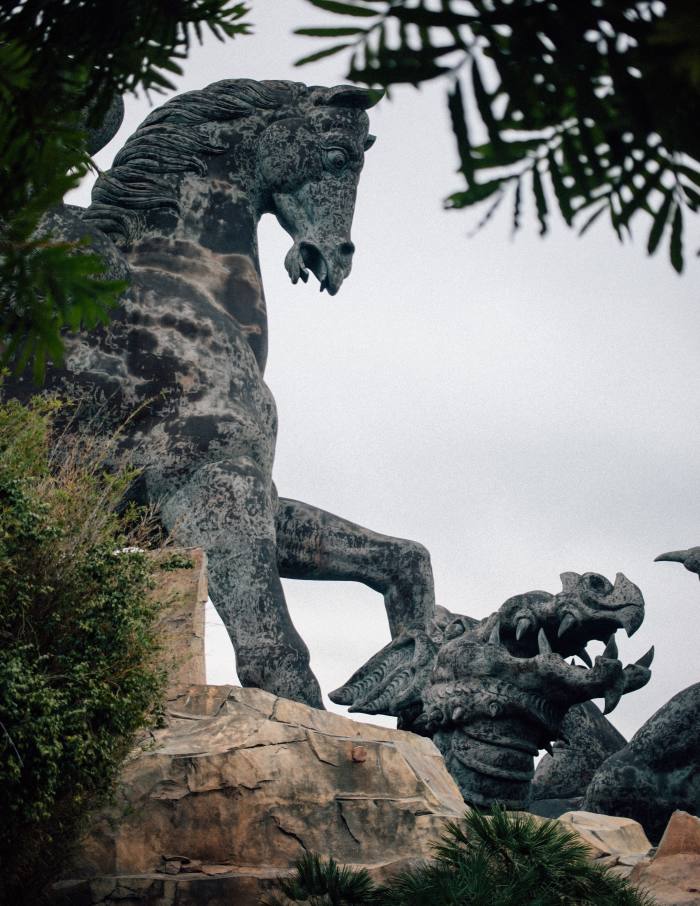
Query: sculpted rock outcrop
{"type": "Point", "coordinates": [492, 693]}
{"type": "Point", "coordinates": [181, 365]}
{"type": "Point", "coordinates": [658, 771]}
{"type": "Point", "coordinates": [239, 784]}
{"type": "Point", "coordinates": [672, 876]}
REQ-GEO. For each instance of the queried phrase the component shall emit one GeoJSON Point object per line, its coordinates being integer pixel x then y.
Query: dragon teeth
{"type": "Point", "coordinates": [522, 627]}
{"type": "Point", "coordinates": [543, 643]}
{"type": "Point", "coordinates": [495, 637]}
{"type": "Point", "coordinates": [585, 657]}
{"type": "Point", "coordinates": [611, 649]}
{"type": "Point", "coordinates": [566, 624]}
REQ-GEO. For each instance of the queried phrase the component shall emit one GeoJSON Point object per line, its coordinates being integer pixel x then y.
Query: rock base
{"type": "Point", "coordinates": [239, 784]}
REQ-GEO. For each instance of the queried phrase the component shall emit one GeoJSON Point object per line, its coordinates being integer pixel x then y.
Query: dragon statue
{"type": "Point", "coordinates": [493, 692]}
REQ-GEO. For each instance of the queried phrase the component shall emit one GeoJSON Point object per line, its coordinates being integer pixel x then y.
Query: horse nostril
{"type": "Point", "coordinates": [347, 249]}
{"type": "Point", "coordinates": [311, 255]}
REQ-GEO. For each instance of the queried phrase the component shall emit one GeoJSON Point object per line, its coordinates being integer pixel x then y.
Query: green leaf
{"type": "Point", "coordinates": [571, 151]}
{"type": "Point", "coordinates": [329, 32]}
{"type": "Point", "coordinates": [460, 129]}
{"type": "Point", "coordinates": [540, 200]}
{"type": "Point", "coordinates": [321, 54]}
{"type": "Point", "coordinates": [560, 190]}
{"type": "Point", "coordinates": [639, 197]}
{"type": "Point", "coordinates": [343, 9]}
{"type": "Point", "coordinates": [692, 197]}
{"type": "Point", "coordinates": [475, 193]}
{"type": "Point", "coordinates": [676, 246]}
{"type": "Point", "coordinates": [483, 102]}
{"type": "Point", "coordinates": [592, 219]}
{"type": "Point", "coordinates": [516, 207]}
{"type": "Point", "coordinates": [659, 224]}
{"type": "Point", "coordinates": [491, 210]}
{"type": "Point", "coordinates": [693, 175]}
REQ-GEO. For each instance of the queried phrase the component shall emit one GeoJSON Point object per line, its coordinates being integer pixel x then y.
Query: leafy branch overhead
{"type": "Point", "coordinates": [590, 108]}
{"type": "Point", "coordinates": [64, 65]}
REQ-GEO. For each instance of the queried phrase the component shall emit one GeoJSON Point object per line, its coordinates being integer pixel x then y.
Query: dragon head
{"type": "Point", "coordinates": [492, 693]}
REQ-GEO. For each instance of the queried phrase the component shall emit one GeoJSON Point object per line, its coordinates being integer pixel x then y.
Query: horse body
{"type": "Point", "coordinates": [183, 360]}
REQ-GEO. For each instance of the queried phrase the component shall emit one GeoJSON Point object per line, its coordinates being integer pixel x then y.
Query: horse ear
{"type": "Point", "coordinates": [369, 141]}
{"type": "Point", "coordinates": [350, 96]}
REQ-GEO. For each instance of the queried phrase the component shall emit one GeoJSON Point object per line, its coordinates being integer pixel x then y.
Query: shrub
{"type": "Point", "coordinates": [498, 860]}
{"type": "Point", "coordinates": [79, 675]}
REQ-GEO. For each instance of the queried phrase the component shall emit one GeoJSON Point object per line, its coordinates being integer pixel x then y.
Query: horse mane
{"type": "Point", "coordinates": [172, 140]}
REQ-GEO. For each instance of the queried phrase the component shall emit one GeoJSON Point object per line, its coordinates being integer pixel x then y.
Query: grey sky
{"type": "Point", "coordinates": [521, 407]}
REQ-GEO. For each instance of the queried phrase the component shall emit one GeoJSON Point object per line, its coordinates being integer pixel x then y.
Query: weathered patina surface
{"type": "Point", "coordinates": [658, 771]}
{"type": "Point", "coordinates": [690, 558]}
{"type": "Point", "coordinates": [587, 739]}
{"type": "Point", "coordinates": [182, 363]}
{"type": "Point", "coordinates": [492, 693]}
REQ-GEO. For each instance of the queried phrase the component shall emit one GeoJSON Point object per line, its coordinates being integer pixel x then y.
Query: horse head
{"type": "Point", "coordinates": [309, 163]}
{"type": "Point", "coordinates": [245, 148]}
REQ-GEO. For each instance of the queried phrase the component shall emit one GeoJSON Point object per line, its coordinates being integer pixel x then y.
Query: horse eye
{"type": "Point", "coordinates": [335, 159]}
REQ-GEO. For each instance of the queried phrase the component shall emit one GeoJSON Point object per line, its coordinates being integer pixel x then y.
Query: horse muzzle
{"type": "Point", "coordinates": [330, 265]}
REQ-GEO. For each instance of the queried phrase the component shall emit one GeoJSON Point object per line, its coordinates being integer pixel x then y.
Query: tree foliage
{"type": "Point", "coordinates": [62, 64]}
{"type": "Point", "coordinates": [590, 108]}
{"type": "Point", "coordinates": [499, 860]}
{"type": "Point", "coordinates": [78, 668]}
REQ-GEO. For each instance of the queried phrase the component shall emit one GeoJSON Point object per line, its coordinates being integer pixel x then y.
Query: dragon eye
{"type": "Point", "coordinates": [599, 584]}
{"type": "Point", "coordinates": [335, 159]}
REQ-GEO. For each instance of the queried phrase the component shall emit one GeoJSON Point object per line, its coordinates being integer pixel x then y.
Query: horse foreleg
{"type": "Point", "coordinates": [225, 508]}
{"type": "Point", "coordinates": [314, 544]}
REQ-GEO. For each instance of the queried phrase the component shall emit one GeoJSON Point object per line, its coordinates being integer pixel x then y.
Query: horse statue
{"type": "Point", "coordinates": [182, 362]}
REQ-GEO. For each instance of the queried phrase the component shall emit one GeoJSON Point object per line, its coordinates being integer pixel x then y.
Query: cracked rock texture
{"type": "Point", "coordinates": [239, 783]}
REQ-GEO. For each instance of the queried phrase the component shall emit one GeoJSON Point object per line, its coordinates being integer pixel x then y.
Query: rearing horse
{"type": "Point", "coordinates": [177, 214]}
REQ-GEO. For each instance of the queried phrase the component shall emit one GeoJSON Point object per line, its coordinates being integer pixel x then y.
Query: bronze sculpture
{"type": "Point", "coordinates": [492, 693]}
{"type": "Point", "coordinates": [182, 363]}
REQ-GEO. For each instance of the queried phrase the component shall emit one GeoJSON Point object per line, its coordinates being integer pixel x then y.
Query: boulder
{"type": "Point", "coordinates": [682, 835]}
{"type": "Point", "coordinates": [657, 772]}
{"type": "Point", "coordinates": [607, 835]}
{"type": "Point", "coordinates": [672, 876]}
{"type": "Point", "coordinates": [238, 784]}
{"type": "Point", "coordinates": [672, 881]}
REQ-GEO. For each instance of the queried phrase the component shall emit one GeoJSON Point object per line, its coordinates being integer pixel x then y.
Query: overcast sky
{"type": "Point", "coordinates": [522, 408]}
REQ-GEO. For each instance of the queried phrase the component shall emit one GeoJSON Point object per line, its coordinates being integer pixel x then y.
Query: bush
{"type": "Point", "coordinates": [499, 860]}
{"type": "Point", "coordinates": [79, 675]}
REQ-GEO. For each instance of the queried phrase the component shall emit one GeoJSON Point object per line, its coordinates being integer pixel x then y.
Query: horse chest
{"type": "Point", "coordinates": [183, 373]}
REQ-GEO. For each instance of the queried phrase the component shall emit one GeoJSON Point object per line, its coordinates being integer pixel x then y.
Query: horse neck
{"type": "Point", "coordinates": [212, 246]}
